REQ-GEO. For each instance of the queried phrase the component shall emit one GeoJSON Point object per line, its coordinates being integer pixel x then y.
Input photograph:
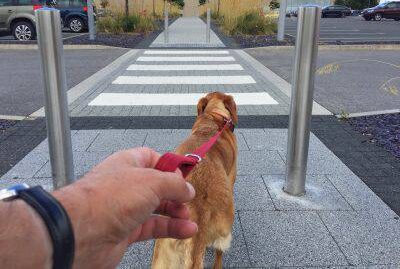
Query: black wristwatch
{"type": "Point", "coordinates": [54, 216]}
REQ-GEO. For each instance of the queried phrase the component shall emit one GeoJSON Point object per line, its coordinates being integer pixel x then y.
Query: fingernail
{"type": "Point", "coordinates": [191, 189]}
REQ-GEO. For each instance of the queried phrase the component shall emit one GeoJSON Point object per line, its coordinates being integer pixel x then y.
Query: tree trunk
{"type": "Point", "coordinates": [126, 7]}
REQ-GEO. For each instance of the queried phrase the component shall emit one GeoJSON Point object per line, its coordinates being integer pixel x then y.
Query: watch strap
{"type": "Point", "coordinates": [57, 222]}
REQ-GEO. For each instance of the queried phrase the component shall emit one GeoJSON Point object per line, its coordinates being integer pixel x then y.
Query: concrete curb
{"type": "Point", "coordinates": [67, 47]}
{"type": "Point", "coordinates": [75, 92]}
{"type": "Point", "coordinates": [279, 82]}
{"type": "Point", "coordinates": [372, 113]}
{"type": "Point", "coordinates": [338, 47]}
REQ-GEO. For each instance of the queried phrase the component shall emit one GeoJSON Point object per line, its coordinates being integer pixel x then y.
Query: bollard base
{"type": "Point", "coordinates": [294, 193]}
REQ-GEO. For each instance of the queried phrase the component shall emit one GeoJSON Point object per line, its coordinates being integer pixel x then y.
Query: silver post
{"type": "Point", "coordinates": [302, 99]}
{"type": "Point", "coordinates": [48, 25]}
{"type": "Point", "coordinates": [166, 34]}
{"type": "Point", "coordinates": [208, 34]}
{"type": "Point", "coordinates": [91, 24]}
{"type": "Point", "coordinates": [281, 20]}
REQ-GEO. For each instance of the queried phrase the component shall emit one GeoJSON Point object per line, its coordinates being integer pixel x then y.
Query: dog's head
{"type": "Point", "coordinates": [220, 103]}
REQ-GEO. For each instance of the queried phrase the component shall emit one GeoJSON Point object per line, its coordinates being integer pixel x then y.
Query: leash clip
{"type": "Point", "coordinates": [199, 159]}
{"type": "Point", "coordinates": [230, 124]}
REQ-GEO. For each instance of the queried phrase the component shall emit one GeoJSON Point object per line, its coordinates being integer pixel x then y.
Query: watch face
{"type": "Point", "coordinates": [12, 192]}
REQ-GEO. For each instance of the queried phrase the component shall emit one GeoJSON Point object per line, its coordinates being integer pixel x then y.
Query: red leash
{"type": "Point", "coordinates": [169, 162]}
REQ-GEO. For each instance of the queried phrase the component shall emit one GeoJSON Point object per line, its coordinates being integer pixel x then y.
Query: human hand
{"type": "Point", "coordinates": [113, 205]}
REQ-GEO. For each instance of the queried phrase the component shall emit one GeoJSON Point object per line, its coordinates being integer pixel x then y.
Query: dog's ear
{"type": "Point", "coordinates": [201, 105]}
{"type": "Point", "coordinates": [230, 105]}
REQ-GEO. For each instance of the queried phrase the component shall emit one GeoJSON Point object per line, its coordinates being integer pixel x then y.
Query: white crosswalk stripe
{"type": "Point", "coordinates": [188, 80]}
{"type": "Point", "coordinates": [190, 67]}
{"type": "Point", "coordinates": [175, 99]}
{"type": "Point", "coordinates": [182, 52]}
{"type": "Point", "coordinates": [185, 59]}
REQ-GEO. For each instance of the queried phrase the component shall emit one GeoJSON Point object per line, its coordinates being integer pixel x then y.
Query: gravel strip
{"type": "Point", "coordinates": [384, 130]}
{"type": "Point", "coordinates": [248, 41]}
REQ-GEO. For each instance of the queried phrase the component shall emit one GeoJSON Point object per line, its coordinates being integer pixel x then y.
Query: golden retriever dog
{"type": "Point", "coordinates": [213, 179]}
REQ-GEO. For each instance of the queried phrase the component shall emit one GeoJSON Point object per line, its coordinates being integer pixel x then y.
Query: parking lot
{"type": "Point", "coordinates": [352, 29]}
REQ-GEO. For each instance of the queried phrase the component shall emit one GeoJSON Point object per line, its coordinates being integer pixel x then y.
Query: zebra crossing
{"type": "Point", "coordinates": [202, 71]}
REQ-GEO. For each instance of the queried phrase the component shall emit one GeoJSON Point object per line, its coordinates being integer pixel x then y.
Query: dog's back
{"type": "Point", "coordinates": [212, 208]}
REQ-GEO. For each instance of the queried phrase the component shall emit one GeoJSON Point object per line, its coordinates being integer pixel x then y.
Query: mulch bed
{"type": "Point", "coordinates": [121, 40]}
{"type": "Point", "coordinates": [4, 124]}
{"type": "Point", "coordinates": [384, 130]}
{"type": "Point", "coordinates": [248, 41]}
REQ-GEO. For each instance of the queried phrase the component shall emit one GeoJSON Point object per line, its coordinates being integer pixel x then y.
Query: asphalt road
{"type": "Point", "coordinates": [352, 81]}
{"type": "Point", "coordinates": [21, 91]}
{"type": "Point", "coordinates": [5, 36]}
{"type": "Point", "coordinates": [352, 29]}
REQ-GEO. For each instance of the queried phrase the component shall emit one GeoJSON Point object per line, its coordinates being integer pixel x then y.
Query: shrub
{"type": "Point", "coordinates": [180, 3]}
{"type": "Point", "coordinates": [109, 24]}
{"type": "Point", "coordinates": [145, 25]}
{"type": "Point", "coordinates": [274, 4]}
{"type": "Point", "coordinates": [104, 3]}
{"type": "Point", "coordinates": [252, 23]}
{"type": "Point", "coordinates": [129, 23]}
{"type": "Point", "coordinates": [119, 23]}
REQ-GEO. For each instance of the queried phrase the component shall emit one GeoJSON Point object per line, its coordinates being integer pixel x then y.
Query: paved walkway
{"type": "Point", "coordinates": [340, 222]}
{"type": "Point", "coordinates": [187, 32]}
{"type": "Point", "coordinates": [191, 8]}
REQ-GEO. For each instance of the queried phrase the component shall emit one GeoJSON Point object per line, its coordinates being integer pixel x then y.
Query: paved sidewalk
{"type": "Point", "coordinates": [191, 8]}
{"type": "Point", "coordinates": [188, 32]}
{"type": "Point", "coordinates": [340, 221]}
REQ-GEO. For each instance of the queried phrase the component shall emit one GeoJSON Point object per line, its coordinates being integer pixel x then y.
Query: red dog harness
{"type": "Point", "coordinates": [169, 162]}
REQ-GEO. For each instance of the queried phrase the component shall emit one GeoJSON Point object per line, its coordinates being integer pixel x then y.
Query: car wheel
{"type": "Point", "coordinates": [343, 15]}
{"type": "Point", "coordinates": [23, 31]}
{"type": "Point", "coordinates": [76, 25]}
{"type": "Point", "coordinates": [397, 19]}
{"type": "Point", "coordinates": [378, 17]}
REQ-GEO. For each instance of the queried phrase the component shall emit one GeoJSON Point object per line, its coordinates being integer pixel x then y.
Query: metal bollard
{"type": "Point", "coordinates": [208, 34]}
{"type": "Point", "coordinates": [48, 25]}
{"type": "Point", "coordinates": [281, 20]}
{"type": "Point", "coordinates": [302, 99]}
{"type": "Point", "coordinates": [166, 34]}
{"type": "Point", "coordinates": [91, 24]}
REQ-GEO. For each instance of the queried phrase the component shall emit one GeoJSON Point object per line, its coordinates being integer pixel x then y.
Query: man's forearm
{"type": "Point", "coordinates": [24, 240]}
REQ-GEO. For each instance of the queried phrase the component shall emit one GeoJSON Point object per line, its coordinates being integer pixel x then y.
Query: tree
{"type": "Point", "coordinates": [274, 4]}
{"type": "Point", "coordinates": [357, 4]}
{"type": "Point", "coordinates": [181, 3]}
{"type": "Point", "coordinates": [126, 7]}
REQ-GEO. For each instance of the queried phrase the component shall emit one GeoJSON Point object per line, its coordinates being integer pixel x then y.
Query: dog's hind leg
{"type": "Point", "coordinates": [218, 259]}
{"type": "Point", "coordinates": [221, 245]}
